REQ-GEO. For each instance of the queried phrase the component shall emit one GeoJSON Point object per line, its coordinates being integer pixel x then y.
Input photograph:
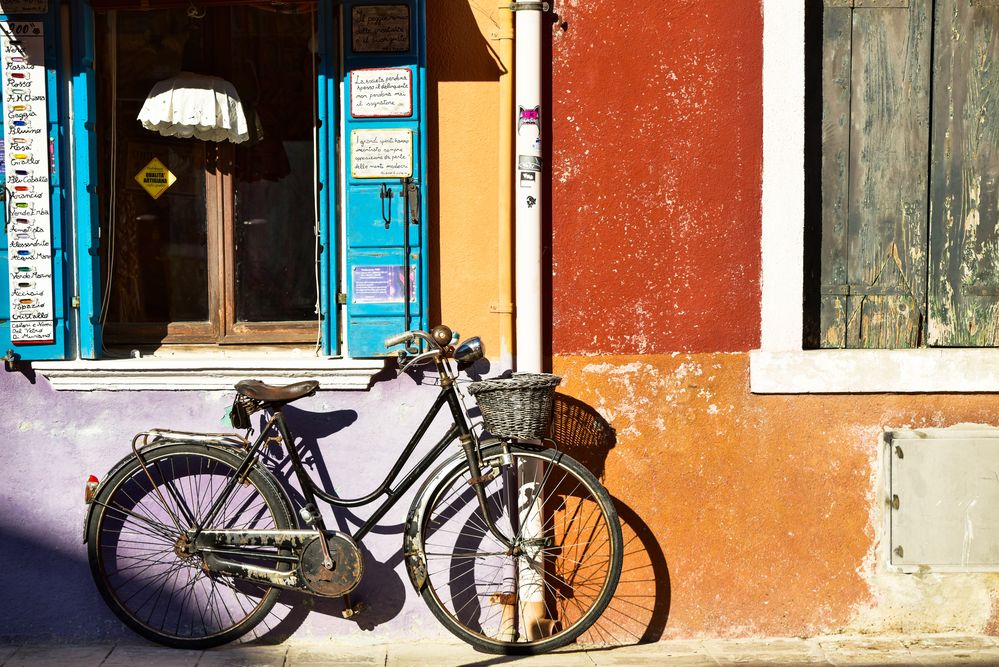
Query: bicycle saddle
{"type": "Point", "coordinates": [269, 393]}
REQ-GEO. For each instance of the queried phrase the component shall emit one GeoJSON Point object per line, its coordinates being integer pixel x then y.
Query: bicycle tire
{"type": "Point", "coordinates": [464, 563]}
{"type": "Point", "coordinates": [155, 588]}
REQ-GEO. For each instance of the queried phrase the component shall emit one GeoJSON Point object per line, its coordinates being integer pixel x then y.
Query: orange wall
{"type": "Point", "coordinates": [463, 96]}
{"type": "Point", "coordinates": [756, 515]}
{"type": "Point", "coordinates": [744, 514]}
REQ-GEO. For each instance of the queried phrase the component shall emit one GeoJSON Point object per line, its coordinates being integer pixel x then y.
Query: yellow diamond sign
{"type": "Point", "coordinates": [155, 178]}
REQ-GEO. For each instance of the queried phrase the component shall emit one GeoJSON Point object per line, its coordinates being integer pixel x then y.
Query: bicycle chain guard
{"type": "Point", "coordinates": [348, 566]}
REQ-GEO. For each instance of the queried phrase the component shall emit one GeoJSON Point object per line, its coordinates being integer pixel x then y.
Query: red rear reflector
{"type": "Point", "coordinates": [88, 493]}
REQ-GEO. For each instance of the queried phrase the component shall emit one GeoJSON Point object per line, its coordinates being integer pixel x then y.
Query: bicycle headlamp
{"type": "Point", "coordinates": [469, 351]}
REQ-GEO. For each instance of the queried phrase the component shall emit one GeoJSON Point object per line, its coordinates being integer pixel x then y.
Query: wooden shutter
{"type": "Point", "coordinates": [964, 243]}
{"type": "Point", "coordinates": [386, 203]}
{"type": "Point", "coordinates": [875, 145]}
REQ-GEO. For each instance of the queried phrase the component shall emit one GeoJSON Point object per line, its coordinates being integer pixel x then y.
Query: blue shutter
{"type": "Point", "coordinates": [326, 89]}
{"type": "Point", "coordinates": [85, 180]}
{"type": "Point", "coordinates": [386, 205]}
{"type": "Point", "coordinates": [58, 348]}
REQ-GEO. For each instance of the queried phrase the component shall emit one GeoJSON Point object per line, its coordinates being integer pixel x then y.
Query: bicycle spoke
{"type": "Point", "coordinates": [154, 577]}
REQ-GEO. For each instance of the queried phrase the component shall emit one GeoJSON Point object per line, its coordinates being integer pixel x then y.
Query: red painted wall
{"type": "Point", "coordinates": [656, 172]}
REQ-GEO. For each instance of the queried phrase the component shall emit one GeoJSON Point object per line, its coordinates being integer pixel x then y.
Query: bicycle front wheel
{"type": "Point", "coordinates": [558, 577]}
{"type": "Point", "coordinates": [141, 559]}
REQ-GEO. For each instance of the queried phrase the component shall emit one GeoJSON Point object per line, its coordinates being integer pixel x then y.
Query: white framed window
{"type": "Point", "coordinates": [781, 365]}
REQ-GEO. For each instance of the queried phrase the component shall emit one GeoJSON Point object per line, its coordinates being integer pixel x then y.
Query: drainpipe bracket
{"type": "Point", "coordinates": [501, 308]}
{"type": "Point", "coordinates": [528, 5]}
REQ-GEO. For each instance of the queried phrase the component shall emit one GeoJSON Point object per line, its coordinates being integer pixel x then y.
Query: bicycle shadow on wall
{"type": "Point", "coordinates": [639, 609]}
{"type": "Point", "coordinates": [637, 613]}
{"type": "Point", "coordinates": [381, 589]}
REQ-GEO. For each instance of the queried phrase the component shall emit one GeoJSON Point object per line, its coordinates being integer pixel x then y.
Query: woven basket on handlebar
{"type": "Point", "coordinates": [516, 407]}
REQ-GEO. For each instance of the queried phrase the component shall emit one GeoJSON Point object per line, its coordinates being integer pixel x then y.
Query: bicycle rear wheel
{"type": "Point", "coordinates": [563, 569]}
{"type": "Point", "coordinates": [139, 555]}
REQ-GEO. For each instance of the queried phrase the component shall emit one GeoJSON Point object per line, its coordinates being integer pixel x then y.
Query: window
{"type": "Point", "coordinates": [905, 194]}
{"type": "Point", "coordinates": [226, 253]}
{"type": "Point", "coordinates": [314, 229]}
{"type": "Point", "coordinates": [781, 365]}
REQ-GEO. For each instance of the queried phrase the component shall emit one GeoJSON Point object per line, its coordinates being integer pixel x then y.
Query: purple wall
{"type": "Point", "coordinates": [54, 440]}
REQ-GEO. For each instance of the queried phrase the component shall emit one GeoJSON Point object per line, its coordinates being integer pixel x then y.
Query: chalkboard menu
{"type": "Point", "coordinates": [380, 29]}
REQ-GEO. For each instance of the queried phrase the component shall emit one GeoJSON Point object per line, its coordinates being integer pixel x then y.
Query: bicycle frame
{"type": "Point", "coordinates": [310, 490]}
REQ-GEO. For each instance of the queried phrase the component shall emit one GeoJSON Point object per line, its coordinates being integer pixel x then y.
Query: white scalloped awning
{"type": "Point", "coordinates": [195, 105]}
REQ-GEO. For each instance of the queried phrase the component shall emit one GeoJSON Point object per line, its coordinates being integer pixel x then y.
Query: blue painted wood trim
{"type": "Point", "coordinates": [85, 180]}
{"type": "Point", "coordinates": [421, 23]}
{"type": "Point", "coordinates": [326, 87]}
{"type": "Point", "coordinates": [368, 244]}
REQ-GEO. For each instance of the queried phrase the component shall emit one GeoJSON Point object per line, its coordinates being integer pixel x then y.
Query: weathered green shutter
{"type": "Point", "coordinates": [876, 80]}
{"type": "Point", "coordinates": [964, 243]}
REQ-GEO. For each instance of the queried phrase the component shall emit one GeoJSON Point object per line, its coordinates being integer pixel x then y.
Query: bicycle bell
{"type": "Point", "coordinates": [442, 335]}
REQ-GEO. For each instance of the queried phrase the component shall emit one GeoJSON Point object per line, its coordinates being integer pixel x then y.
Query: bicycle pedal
{"type": "Point", "coordinates": [352, 611]}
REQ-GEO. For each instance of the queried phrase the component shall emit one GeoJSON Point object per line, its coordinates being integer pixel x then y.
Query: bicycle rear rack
{"type": "Point", "coordinates": [155, 435]}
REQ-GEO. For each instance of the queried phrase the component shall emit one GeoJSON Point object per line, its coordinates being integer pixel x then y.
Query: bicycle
{"type": "Point", "coordinates": [514, 546]}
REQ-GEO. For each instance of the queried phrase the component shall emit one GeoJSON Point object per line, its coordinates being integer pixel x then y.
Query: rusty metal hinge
{"type": "Point", "coordinates": [341, 298]}
{"type": "Point", "coordinates": [870, 4]}
{"type": "Point", "coordinates": [862, 289]}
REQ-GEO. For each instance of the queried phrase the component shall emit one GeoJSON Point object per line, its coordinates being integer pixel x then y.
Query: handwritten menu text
{"type": "Point", "coordinates": [26, 161]}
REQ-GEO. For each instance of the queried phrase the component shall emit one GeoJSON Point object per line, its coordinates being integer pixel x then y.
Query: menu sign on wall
{"type": "Point", "coordinates": [381, 93]}
{"type": "Point", "coordinates": [380, 28]}
{"type": "Point", "coordinates": [26, 161]}
{"type": "Point", "coordinates": [382, 153]}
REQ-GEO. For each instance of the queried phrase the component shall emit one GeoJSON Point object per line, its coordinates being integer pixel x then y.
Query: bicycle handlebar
{"type": "Point", "coordinates": [399, 339]}
{"type": "Point", "coordinates": [407, 337]}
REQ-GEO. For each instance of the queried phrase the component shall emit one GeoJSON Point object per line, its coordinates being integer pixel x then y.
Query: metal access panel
{"type": "Point", "coordinates": [944, 498]}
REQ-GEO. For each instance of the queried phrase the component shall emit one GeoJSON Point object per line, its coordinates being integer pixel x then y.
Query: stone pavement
{"type": "Point", "coordinates": [947, 650]}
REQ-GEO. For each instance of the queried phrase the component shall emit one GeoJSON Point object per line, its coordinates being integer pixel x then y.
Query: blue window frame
{"type": "Point", "coordinates": [383, 225]}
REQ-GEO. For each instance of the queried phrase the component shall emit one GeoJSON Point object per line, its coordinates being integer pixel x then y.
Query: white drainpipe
{"type": "Point", "coordinates": [527, 185]}
{"type": "Point", "coordinates": [527, 262]}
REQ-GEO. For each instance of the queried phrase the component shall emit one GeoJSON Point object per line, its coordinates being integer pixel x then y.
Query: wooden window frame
{"type": "Point", "coordinates": [222, 327]}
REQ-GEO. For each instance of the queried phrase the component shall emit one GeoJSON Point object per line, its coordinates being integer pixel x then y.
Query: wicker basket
{"type": "Point", "coordinates": [516, 407]}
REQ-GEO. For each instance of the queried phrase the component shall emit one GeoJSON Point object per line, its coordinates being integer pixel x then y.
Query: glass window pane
{"type": "Point", "coordinates": [275, 216]}
{"type": "Point", "coordinates": [157, 248]}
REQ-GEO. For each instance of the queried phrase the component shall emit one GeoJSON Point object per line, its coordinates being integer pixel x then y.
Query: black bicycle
{"type": "Point", "coordinates": [514, 546]}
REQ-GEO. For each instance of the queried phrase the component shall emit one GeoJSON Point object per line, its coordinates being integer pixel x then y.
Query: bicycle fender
{"type": "Point", "coordinates": [412, 546]}
{"type": "Point", "coordinates": [88, 518]}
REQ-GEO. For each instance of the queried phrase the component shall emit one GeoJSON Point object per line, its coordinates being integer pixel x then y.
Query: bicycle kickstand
{"type": "Point", "coordinates": [352, 610]}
